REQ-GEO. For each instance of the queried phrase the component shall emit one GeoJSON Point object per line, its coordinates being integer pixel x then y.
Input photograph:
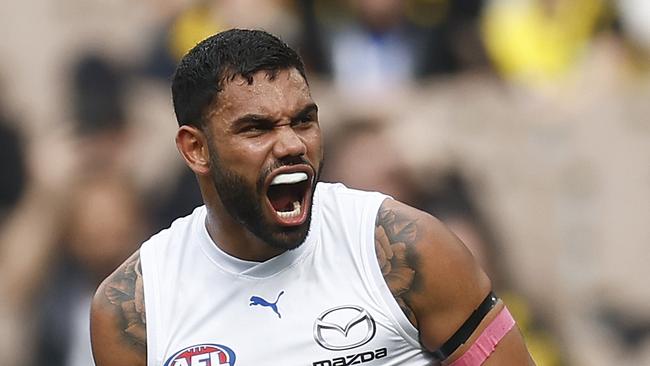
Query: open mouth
{"type": "Point", "coordinates": [287, 194]}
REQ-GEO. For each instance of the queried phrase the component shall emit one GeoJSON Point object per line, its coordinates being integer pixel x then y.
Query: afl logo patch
{"type": "Point", "coordinates": [203, 355]}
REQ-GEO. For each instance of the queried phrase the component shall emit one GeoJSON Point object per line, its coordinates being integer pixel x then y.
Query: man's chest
{"type": "Point", "coordinates": [280, 322]}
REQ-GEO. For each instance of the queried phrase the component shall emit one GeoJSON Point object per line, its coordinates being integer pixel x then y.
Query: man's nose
{"type": "Point", "coordinates": [288, 143]}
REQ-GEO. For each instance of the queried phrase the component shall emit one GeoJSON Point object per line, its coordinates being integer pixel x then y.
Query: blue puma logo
{"type": "Point", "coordinates": [256, 300]}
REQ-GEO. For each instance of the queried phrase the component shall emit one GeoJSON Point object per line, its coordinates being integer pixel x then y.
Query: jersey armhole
{"type": "Point", "coordinates": [380, 289]}
{"type": "Point", "coordinates": [150, 285]}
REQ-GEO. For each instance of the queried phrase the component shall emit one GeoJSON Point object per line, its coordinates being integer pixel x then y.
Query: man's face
{"type": "Point", "coordinates": [265, 152]}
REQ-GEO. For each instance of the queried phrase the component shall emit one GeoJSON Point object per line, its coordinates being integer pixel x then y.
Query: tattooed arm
{"type": "Point", "coordinates": [436, 281]}
{"type": "Point", "coordinates": [117, 326]}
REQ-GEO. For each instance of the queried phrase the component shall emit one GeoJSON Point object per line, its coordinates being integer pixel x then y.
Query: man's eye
{"type": "Point", "coordinates": [304, 120]}
{"type": "Point", "coordinates": [247, 129]}
{"type": "Point", "coordinates": [254, 129]}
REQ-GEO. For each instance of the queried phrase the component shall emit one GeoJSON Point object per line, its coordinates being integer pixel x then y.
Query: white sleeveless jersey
{"type": "Point", "coordinates": [324, 303]}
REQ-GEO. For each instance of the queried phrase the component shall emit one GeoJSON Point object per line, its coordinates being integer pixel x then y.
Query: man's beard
{"type": "Point", "coordinates": [244, 201]}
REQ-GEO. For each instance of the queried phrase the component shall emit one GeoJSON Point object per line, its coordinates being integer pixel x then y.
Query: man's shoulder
{"type": "Point", "coordinates": [432, 275]}
{"type": "Point", "coordinates": [180, 225]}
{"type": "Point", "coordinates": [328, 191]}
{"type": "Point", "coordinates": [118, 323]}
{"type": "Point", "coordinates": [422, 233]}
{"type": "Point", "coordinates": [181, 222]}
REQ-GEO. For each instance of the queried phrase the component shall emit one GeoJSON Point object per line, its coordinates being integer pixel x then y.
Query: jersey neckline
{"type": "Point", "coordinates": [252, 269]}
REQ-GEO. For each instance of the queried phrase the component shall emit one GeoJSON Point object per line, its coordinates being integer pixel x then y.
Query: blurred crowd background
{"type": "Point", "coordinates": [522, 124]}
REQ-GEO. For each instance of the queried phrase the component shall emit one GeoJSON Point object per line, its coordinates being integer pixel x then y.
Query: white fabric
{"type": "Point", "coordinates": [195, 294]}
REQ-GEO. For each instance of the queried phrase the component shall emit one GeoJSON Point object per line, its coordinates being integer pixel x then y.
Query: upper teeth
{"type": "Point", "coordinates": [289, 178]}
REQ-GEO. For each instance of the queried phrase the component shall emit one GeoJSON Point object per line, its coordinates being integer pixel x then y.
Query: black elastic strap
{"type": "Point", "coordinates": [465, 331]}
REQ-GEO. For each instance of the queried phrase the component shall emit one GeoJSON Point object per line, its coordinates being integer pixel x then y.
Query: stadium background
{"type": "Point", "coordinates": [523, 124]}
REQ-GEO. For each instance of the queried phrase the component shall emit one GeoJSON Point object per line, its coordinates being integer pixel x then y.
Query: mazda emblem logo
{"type": "Point", "coordinates": [344, 327]}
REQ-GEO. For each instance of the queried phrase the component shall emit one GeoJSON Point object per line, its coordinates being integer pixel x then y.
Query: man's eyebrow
{"type": "Point", "coordinates": [310, 108]}
{"type": "Point", "coordinates": [251, 118]}
{"type": "Point", "coordinates": [265, 119]}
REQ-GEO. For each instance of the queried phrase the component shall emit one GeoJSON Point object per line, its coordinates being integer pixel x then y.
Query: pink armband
{"type": "Point", "coordinates": [487, 341]}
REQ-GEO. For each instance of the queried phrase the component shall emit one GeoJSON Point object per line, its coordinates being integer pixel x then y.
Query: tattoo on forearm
{"type": "Point", "coordinates": [395, 234]}
{"type": "Point", "coordinates": [126, 292]}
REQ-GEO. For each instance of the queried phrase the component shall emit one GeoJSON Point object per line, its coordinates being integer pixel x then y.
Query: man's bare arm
{"type": "Point", "coordinates": [395, 237]}
{"type": "Point", "coordinates": [437, 282]}
{"type": "Point", "coordinates": [118, 328]}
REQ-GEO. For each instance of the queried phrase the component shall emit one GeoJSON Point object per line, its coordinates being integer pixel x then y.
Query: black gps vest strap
{"type": "Point", "coordinates": [465, 331]}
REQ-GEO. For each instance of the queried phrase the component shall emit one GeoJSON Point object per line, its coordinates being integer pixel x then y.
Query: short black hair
{"type": "Point", "coordinates": [201, 73]}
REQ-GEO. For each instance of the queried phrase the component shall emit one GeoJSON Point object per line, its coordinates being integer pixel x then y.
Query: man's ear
{"type": "Point", "coordinates": [192, 144]}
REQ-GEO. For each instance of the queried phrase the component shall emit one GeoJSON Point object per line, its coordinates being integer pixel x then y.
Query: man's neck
{"type": "Point", "coordinates": [235, 240]}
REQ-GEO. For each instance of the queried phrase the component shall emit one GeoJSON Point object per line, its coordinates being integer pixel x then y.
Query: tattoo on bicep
{"type": "Point", "coordinates": [126, 292]}
{"type": "Point", "coordinates": [394, 235]}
